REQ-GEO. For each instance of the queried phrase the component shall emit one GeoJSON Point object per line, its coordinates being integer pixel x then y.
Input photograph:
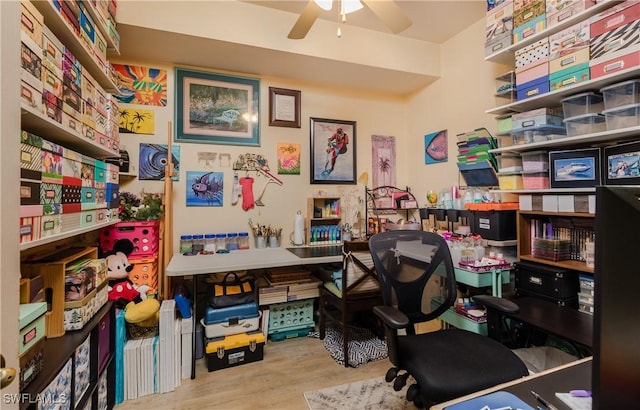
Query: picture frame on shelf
{"type": "Point", "coordinates": [333, 151]}
{"type": "Point", "coordinates": [284, 107]}
{"type": "Point", "coordinates": [622, 164]}
{"type": "Point", "coordinates": [217, 108]}
{"type": "Point", "coordinates": [579, 168]}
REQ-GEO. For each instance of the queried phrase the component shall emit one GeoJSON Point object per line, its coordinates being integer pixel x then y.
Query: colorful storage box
{"type": "Point", "coordinates": [32, 22]}
{"type": "Point", "coordinates": [619, 94]}
{"type": "Point", "coordinates": [623, 117]}
{"type": "Point", "coordinates": [559, 11]}
{"type": "Point", "coordinates": [31, 363]}
{"type": "Point", "coordinates": [498, 32]}
{"type": "Point", "coordinates": [533, 88]}
{"type": "Point", "coordinates": [81, 366]}
{"type": "Point", "coordinates": [59, 390]}
{"type": "Point", "coordinates": [32, 325]}
{"type": "Point", "coordinates": [52, 47]}
{"type": "Point", "coordinates": [30, 96]}
{"type": "Point", "coordinates": [582, 104]}
{"type": "Point", "coordinates": [624, 37]}
{"type": "Point", "coordinates": [530, 72]}
{"type": "Point", "coordinates": [536, 118]}
{"type": "Point", "coordinates": [614, 17]}
{"type": "Point", "coordinates": [31, 63]}
{"type": "Point", "coordinates": [569, 41]}
{"type": "Point", "coordinates": [525, 11]}
{"type": "Point", "coordinates": [535, 26]}
{"type": "Point", "coordinates": [585, 124]}
{"type": "Point", "coordinates": [235, 350]}
{"type": "Point", "coordinates": [78, 314]}
{"type": "Point", "coordinates": [533, 53]}
{"type": "Point", "coordinates": [535, 180]}
{"type": "Point", "coordinates": [570, 61]}
{"type": "Point", "coordinates": [621, 60]}
{"type": "Point", "coordinates": [569, 76]}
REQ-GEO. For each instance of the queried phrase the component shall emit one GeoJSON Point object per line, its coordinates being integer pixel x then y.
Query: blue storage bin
{"type": "Point", "coordinates": [533, 88]}
{"type": "Point", "coordinates": [218, 315]}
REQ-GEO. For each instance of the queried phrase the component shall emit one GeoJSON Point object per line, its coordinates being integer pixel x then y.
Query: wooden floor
{"type": "Point", "coordinates": [289, 368]}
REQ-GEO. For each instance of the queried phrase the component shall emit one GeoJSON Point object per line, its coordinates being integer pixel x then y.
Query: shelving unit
{"type": "Point", "coordinates": [554, 99]}
{"type": "Point", "coordinates": [383, 200]}
{"type": "Point", "coordinates": [524, 238]}
{"type": "Point", "coordinates": [88, 352]}
{"type": "Point", "coordinates": [324, 212]}
{"type": "Point", "coordinates": [59, 350]}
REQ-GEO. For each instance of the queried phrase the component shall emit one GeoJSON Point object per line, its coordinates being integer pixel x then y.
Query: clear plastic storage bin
{"type": "Point", "coordinates": [535, 180]}
{"type": "Point", "coordinates": [537, 134]}
{"type": "Point", "coordinates": [510, 180]}
{"type": "Point", "coordinates": [509, 163]}
{"type": "Point", "coordinates": [622, 117]}
{"type": "Point", "coordinates": [535, 161]}
{"type": "Point", "coordinates": [581, 104]}
{"type": "Point", "coordinates": [585, 124]}
{"type": "Point", "coordinates": [624, 93]}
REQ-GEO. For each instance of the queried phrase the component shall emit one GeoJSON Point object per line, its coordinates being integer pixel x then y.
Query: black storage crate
{"type": "Point", "coordinates": [495, 225]}
{"type": "Point", "coordinates": [558, 285]}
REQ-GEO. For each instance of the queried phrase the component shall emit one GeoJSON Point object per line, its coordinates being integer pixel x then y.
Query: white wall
{"type": "Point", "coordinates": [456, 102]}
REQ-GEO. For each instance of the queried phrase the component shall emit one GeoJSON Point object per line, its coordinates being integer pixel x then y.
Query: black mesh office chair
{"type": "Point", "coordinates": [418, 285]}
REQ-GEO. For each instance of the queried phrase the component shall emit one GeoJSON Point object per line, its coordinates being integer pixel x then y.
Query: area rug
{"type": "Point", "coordinates": [364, 346]}
{"type": "Point", "coordinates": [370, 394]}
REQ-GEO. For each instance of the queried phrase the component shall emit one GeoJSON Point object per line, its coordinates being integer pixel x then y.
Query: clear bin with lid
{"type": "Point", "coordinates": [209, 243]}
{"type": "Point", "coordinates": [585, 124]}
{"type": "Point", "coordinates": [198, 244]}
{"type": "Point", "coordinates": [243, 240]}
{"type": "Point", "coordinates": [535, 180]}
{"type": "Point", "coordinates": [221, 242]}
{"type": "Point", "coordinates": [622, 117]}
{"type": "Point", "coordinates": [510, 180]}
{"type": "Point", "coordinates": [581, 104]}
{"type": "Point", "coordinates": [186, 244]}
{"type": "Point", "coordinates": [619, 94]}
{"type": "Point", "coordinates": [508, 162]}
{"type": "Point", "coordinates": [535, 161]}
{"type": "Point", "coordinates": [232, 241]}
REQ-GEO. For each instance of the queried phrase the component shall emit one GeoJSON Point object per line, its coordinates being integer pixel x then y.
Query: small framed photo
{"type": "Point", "coordinates": [621, 164]}
{"type": "Point", "coordinates": [578, 168]}
{"type": "Point", "coordinates": [333, 151]}
{"type": "Point", "coordinates": [284, 107]}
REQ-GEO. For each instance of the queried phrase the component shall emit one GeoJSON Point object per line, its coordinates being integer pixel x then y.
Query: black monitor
{"type": "Point", "coordinates": [616, 338]}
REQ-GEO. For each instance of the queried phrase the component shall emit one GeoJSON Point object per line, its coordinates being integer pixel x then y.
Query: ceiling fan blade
{"type": "Point", "coordinates": [305, 21]}
{"type": "Point", "coordinates": [390, 13]}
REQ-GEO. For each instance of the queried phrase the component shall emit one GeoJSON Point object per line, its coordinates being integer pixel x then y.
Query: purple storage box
{"type": "Point", "coordinates": [104, 341]}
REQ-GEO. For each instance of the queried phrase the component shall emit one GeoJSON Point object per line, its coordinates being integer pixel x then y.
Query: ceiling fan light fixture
{"type": "Point", "coordinates": [349, 6]}
{"type": "Point", "coordinates": [324, 4]}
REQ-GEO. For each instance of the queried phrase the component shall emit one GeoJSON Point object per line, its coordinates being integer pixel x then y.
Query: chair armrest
{"type": "Point", "coordinates": [503, 305]}
{"type": "Point", "coordinates": [392, 317]}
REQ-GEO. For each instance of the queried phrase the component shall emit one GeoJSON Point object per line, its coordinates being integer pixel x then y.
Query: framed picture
{"type": "Point", "coordinates": [575, 168]}
{"type": "Point", "coordinates": [333, 151]}
{"type": "Point", "coordinates": [621, 163]}
{"type": "Point", "coordinates": [284, 107]}
{"type": "Point", "coordinates": [217, 108]}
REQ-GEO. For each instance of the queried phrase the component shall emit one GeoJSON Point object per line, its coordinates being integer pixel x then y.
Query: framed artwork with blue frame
{"type": "Point", "coordinates": [217, 108]}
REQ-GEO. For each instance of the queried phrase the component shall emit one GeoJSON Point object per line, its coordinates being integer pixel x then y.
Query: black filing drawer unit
{"type": "Point", "coordinates": [547, 282]}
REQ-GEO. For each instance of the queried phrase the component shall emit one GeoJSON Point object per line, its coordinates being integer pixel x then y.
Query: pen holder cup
{"type": "Point", "coordinates": [261, 242]}
{"type": "Point", "coordinates": [274, 241]}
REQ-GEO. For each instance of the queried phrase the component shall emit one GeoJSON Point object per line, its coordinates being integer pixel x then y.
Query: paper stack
{"type": "Point", "coordinates": [168, 346]}
{"type": "Point", "coordinates": [306, 290]}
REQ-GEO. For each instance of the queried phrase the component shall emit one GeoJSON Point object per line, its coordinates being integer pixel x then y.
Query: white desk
{"type": "Point", "coordinates": [181, 265]}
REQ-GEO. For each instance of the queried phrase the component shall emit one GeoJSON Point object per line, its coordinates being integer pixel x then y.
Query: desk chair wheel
{"type": "Point", "coordinates": [413, 392]}
{"type": "Point", "coordinates": [391, 374]}
{"type": "Point", "coordinates": [400, 381]}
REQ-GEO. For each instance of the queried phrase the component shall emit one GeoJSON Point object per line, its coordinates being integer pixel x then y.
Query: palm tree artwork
{"type": "Point", "coordinates": [383, 150]}
{"type": "Point", "coordinates": [136, 121]}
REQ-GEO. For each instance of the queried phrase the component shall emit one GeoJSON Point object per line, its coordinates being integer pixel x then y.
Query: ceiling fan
{"type": "Point", "coordinates": [386, 10]}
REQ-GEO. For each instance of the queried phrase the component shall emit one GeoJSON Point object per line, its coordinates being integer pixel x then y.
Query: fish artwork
{"type": "Point", "coordinates": [209, 187]}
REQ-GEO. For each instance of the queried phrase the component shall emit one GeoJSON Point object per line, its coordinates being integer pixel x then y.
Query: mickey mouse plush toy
{"type": "Point", "coordinates": [138, 308]}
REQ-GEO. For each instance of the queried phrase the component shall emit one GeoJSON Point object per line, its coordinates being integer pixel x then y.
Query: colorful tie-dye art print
{"type": "Point", "coordinates": [288, 158]}
{"type": "Point", "coordinates": [137, 121]}
{"type": "Point", "coordinates": [141, 85]}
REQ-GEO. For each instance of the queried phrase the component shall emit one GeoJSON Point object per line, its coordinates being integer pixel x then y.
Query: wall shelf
{"type": "Point", "coordinates": [64, 235]}
{"type": "Point", "coordinates": [506, 56]}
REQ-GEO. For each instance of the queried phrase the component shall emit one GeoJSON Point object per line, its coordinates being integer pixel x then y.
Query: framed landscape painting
{"type": "Point", "coordinates": [217, 108]}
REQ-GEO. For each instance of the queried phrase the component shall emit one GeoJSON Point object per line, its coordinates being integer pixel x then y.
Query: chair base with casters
{"type": "Point", "coordinates": [447, 363]}
{"type": "Point", "coordinates": [358, 294]}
